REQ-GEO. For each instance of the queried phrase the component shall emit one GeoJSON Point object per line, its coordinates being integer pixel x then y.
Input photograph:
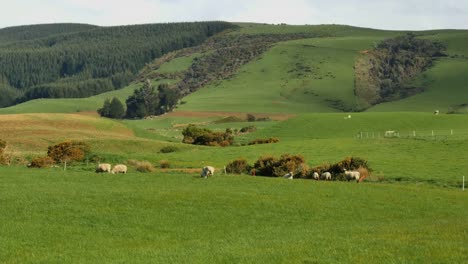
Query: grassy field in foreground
{"type": "Point", "coordinates": [79, 217]}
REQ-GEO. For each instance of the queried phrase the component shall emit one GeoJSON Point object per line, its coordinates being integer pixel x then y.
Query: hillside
{"type": "Point", "coordinates": [80, 61]}
{"type": "Point", "coordinates": [294, 69]}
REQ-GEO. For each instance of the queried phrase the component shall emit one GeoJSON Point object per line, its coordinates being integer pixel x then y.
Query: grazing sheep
{"type": "Point", "coordinates": [207, 171]}
{"type": "Point", "coordinates": [103, 167]}
{"type": "Point", "coordinates": [119, 168]}
{"type": "Point", "coordinates": [436, 112]}
{"type": "Point", "coordinates": [315, 176]}
{"type": "Point", "coordinates": [352, 175]}
{"type": "Point", "coordinates": [289, 175]}
{"type": "Point", "coordinates": [326, 176]}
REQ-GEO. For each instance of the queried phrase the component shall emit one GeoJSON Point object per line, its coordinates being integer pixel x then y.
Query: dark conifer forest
{"type": "Point", "coordinates": [79, 60]}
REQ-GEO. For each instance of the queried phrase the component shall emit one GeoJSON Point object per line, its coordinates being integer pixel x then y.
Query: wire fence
{"type": "Point", "coordinates": [415, 134]}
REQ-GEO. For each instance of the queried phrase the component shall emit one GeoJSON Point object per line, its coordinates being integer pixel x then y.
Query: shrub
{"type": "Point", "coordinates": [264, 141]}
{"type": "Point", "coordinates": [204, 136]}
{"type": "Point", "coordinates": [270, 166]}
{"type": "Point", "coordinates": [238, 166]}
{"type": "Point", "coordinates": [264, 165]}
{"type": "Point", "coordinates": [168, 149]}
{"type": "Point", "coordinates": [164, 164]}
{"type": "Point", "coordinates": [42, 162]}
{"type": "Point", "coordinates": [68, 151]}
{"type": "Point", "coordinates": [288, 163]}
{"type": "Point", "coordinates": [337, 169]}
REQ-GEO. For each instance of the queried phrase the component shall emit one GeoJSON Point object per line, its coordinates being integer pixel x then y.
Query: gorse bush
{"type": "Point", "coordinates": [264, 165]}
{"type": "Point", "coordinates": [238, 166]}
{"type": "Point", "coordinates": [69, 151]}
{"type": "Point", "coordinates": [337, 169]}
{"type": "Point", "coordinates": [203, 136]}
{"type": "Point", "coordinates": [273, 167]}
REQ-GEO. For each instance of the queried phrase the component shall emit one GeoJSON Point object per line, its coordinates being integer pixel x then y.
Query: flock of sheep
{"type": "Point", "coordinates": [209, 171]}
{"type": "Point", "coordinates": [350, 175]}
{"type": "Point", "coordinates": [106, 167]}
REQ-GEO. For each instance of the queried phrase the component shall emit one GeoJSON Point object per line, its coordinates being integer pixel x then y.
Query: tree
{"type": "Point", "coordinates": [168, 98]}
{"type": "Point", "coordinates": [105, 110]}
{"type": "Point", "coordinates": [143, 102]}
{"type": "Point", "coordinates": [116, 109]}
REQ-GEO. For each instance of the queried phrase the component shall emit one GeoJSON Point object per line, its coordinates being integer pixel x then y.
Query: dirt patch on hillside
{"type": "Point", "coordinates": [203, 114]}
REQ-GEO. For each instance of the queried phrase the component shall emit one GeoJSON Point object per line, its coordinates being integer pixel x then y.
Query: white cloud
{"type": "Point", "coordinates": [397, 14]}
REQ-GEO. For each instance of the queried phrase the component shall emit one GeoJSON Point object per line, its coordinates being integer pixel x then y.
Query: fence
{"type": "Point", "coordinates": [422, 134]}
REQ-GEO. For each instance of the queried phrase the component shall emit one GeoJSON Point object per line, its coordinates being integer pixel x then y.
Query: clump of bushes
{"type": "Point", "coordinates": [270, 166]}
{"type": "Point", "coordinates": [203, 136]}
{"type": "Point", "coordinates": [277, 167]}
{"type": "Point", "coordinates": [337, 169]}
{"type": "Point", "coordinates": [238, 166]}
{"type": "Point", "coordinates": [168, 149]}
{"type": "Point", "coordinates": [264, 141]}
{"type": "Point", "coordinates": [142, 166]}
{"type": "Point", "coordinates": [42, 162]}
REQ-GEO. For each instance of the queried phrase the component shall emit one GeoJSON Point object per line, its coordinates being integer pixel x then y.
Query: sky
{"type": "Point", "coordinates": [380, 14]}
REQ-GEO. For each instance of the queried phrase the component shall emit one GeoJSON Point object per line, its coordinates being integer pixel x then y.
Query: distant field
{"type": "Point", "coordinates": [78, 216]}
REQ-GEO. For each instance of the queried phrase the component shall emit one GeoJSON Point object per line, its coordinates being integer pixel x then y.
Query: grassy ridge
{"type": "Point", "coordinates": [295, 76]}
{"type": "Point", "coordinates": [140, 218]}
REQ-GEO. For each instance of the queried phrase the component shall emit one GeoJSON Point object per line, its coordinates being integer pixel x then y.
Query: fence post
{"type": "Point", "coordinates": [451, 132]}
{"type": "Point", "coordinates": [414, 133]}
{"type": "Point", "coordinates": [463, 185]}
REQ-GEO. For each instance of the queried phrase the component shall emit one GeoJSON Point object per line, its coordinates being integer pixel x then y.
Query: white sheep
{"type": "Point", "coordinates": [289, 175]}
{"type": "Point", "coordinates": [315, 176]}
{"type": "Point", "coordinates": [119, 168]}
{"type": "Point", "coordinates": [326, 176]}
{"type": "Point", "coordinates": [352, 175]}
{"type": "Point", "coordinates": [103, 167]}
{"type": "Point", "coordinates": [207, 171]}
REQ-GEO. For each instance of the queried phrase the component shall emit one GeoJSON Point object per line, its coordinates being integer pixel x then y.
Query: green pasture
{"type": "Point", "coordinates": [50, 216]}
{"type": "Point", "coordinates": [320, 138]}
{"type": "Point", "coordinates": [178, 64]}
{"type": "Point", "coordinates": [294, 76]}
